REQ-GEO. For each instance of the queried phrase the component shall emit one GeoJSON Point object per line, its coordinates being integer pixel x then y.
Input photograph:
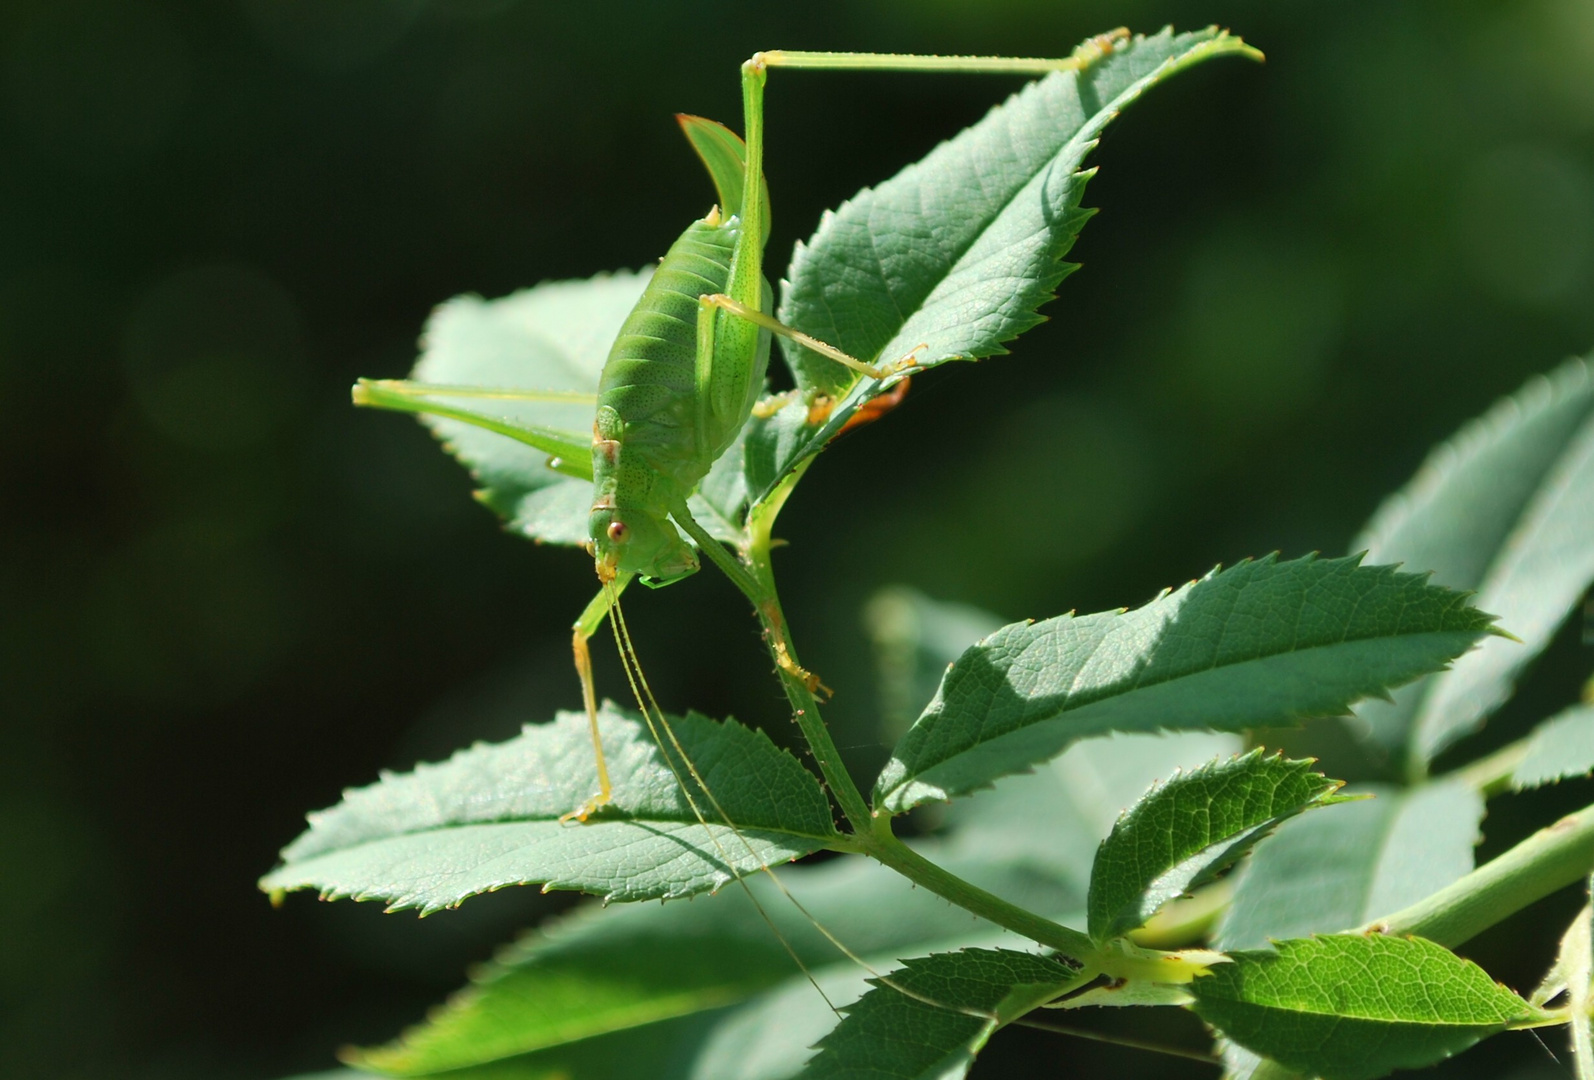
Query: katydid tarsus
{"type": "Point", "coordinates": [680, 382]}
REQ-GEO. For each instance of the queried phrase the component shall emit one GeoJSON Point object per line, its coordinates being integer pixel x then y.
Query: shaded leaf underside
{"type": "Point", "coordinates": [1352, 863]}
{"type": "Point", "coordinates": [1561, 747]}
{"type": "Point", "coordinates": [1505, 507]}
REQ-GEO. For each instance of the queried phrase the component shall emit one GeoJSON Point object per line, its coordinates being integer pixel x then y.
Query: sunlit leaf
{"type": "Point", "coordinates": [604, 970]}
{"type": "Point", "coordinates": [1264, 642]}
{"type": "Point", "coordinates": [1029, 840]}
{"type": "Point", "coordinates": [1354, 1007]}
{"type": "Point", "coordinates": [951, 258]}
{"type": "Point", "coordinates": [1187, 830]}
{"type": "Point", "coordinates": [489, 817]}
{"type": "Point", "coordinates": [551, 337]}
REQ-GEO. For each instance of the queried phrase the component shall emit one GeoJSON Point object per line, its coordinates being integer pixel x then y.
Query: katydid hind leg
{"type": "Point", "coordinates": [829, 352]}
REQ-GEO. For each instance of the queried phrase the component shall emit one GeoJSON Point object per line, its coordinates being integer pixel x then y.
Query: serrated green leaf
{"type": "Point", "coordinates": [1354, 1007]}
{"type": "Point", "coordinates": [551, 337]}
{"type": "Point", "coordinates": [1055, 818]}
{"type": "Point", "coordinates": [1352, 863]}
{"type": "Point", "coordinates": [957, 252]}
{"type": "Point", "coordinates": [1264, 642]}
{"type": "Point", "coordinates": [605, 970]}
{"type": "Point", "coordinates": [889, 1035]}
{"type": "Point", "coordinates": [1029, 841]}
{"type": "Point", "coordinates": [1560, 747]}
{"type": "Point", "coordinates": [488, 817]}
{"type": "Point", "coordinates": [1186, 831]}
{"type": "Point", "coordinates": [1506, 507]}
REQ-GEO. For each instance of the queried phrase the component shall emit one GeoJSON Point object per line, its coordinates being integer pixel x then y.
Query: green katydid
{"type": "Point", "coordinates": [688, 366]}
{"type": "Point", "coordinates": [676, 391]}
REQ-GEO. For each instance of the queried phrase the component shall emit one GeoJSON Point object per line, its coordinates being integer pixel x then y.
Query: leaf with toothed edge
{"type": "Point", "coordinates": [1186, 830]}
{"type": "Point", "coordinates": [1261, 643]}
{"type": "Point", "coordinates": [1559, 748]}
{"type": "Point", "coordinates": [552, 337]}
{"type": "Point", "coordinates": [956, 252]}
{"type": "Point", "coordinates": [929, 1018]}
{"type": "Point", "coordinates": [1029, 841]}
{"type": "Point", "coordinates": [601, 971]}
{"type": "Point", "coordinates": [1505, 507]}
{"type": "Point", "coordinates": [1352, 1006]}
{"type": "Point", "coordinates": [489, 817]}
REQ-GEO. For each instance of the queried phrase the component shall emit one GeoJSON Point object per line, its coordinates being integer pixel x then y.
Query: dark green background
{"type": "Point", "coordinates": [225, 595]}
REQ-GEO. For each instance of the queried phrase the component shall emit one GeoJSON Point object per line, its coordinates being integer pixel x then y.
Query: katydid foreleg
{"type": "Point", "coordinates": [585, 626]}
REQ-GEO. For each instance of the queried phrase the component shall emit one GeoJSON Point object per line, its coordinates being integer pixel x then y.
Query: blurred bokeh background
{"type": "Point", "coordinates": [225, 595]}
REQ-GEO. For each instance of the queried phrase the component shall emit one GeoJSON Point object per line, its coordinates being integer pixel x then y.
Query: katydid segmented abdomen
{"type": "Point", "coordinates": [652, 438]}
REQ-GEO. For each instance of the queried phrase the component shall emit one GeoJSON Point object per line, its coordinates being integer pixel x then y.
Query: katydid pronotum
{"type": "Point", "coordinates": [681, 380]}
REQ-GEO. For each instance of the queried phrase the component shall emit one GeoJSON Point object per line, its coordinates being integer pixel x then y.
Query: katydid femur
{"type": "Point", "coordinates": [686, 371]}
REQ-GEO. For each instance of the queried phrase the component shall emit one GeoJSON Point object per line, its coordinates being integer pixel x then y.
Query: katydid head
{"type": "Point", "coordinates": [636, 541]}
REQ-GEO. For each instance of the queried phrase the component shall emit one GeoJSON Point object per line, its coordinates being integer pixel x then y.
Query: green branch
{"type": "Point", "coordinates": [1550, 859]}
{"type": "Point", "coordinates": [755, 577]}
{"type": "Point", "coordinates": [884, 846]}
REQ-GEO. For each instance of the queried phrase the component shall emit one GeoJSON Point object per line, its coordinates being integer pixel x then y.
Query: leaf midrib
{"type": "Point", "coordinates": [1124, 691]}
{"type": "Point", "coordinates": [639, 822]}
{"type": "Point", "coordinates": [1342, 1014]}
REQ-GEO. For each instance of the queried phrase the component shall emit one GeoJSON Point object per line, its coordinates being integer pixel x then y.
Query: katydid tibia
{"type": "Point", "coordinates": [688, 366]}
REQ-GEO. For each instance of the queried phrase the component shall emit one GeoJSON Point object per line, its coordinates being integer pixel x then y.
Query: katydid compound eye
{"type": "Point", "coordinates": [617, 531]}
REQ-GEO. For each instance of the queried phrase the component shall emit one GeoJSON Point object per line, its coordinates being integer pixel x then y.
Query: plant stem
{"type": "Point", "coordinates": [1553, 857]}
{"type": "Point", "coordinates": [754, 575]}
{"type": "Point", "coordinates": [756, 579]}
{"type": "Point", "coordinates": [884, 846]}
